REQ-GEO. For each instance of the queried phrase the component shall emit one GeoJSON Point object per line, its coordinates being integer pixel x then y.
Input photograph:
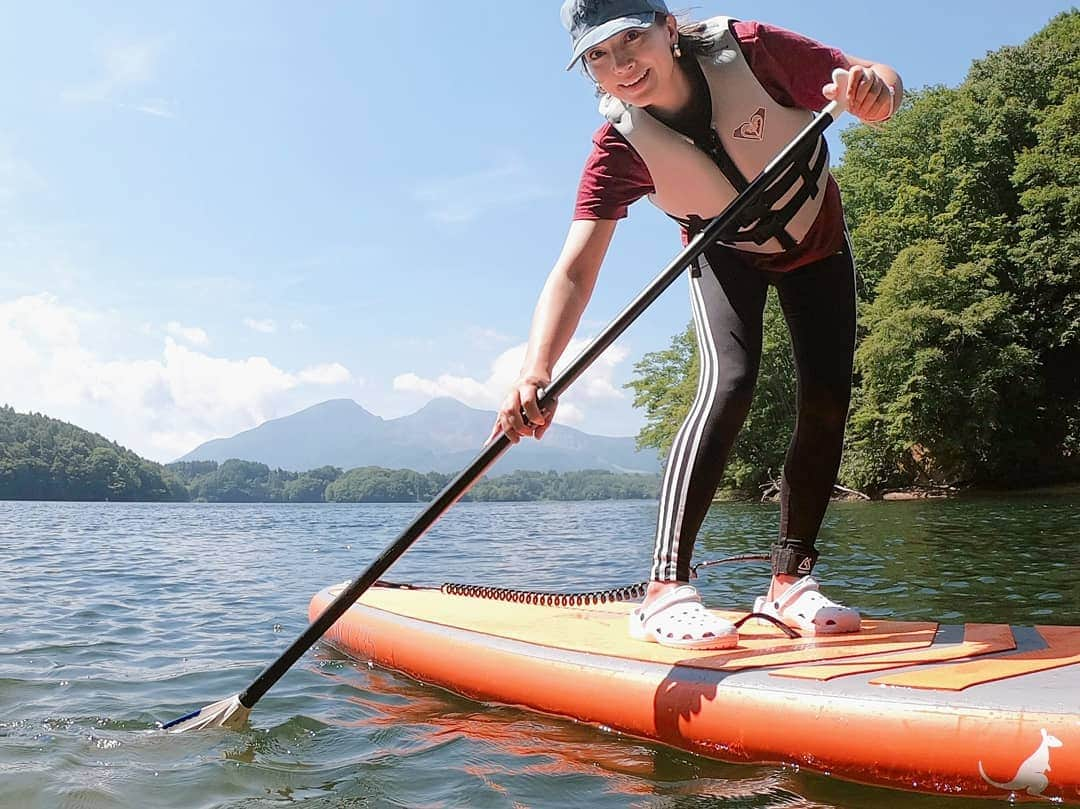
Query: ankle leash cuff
{"type": "Point", "coordinates": [790, 561]}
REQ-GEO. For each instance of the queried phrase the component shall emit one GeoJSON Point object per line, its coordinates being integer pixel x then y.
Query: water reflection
{"type": "Point", "coordinates": [508, 745]}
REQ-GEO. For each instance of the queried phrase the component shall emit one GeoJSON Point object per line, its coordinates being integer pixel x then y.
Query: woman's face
{"type": "Point", "coordinates": [635, 65]}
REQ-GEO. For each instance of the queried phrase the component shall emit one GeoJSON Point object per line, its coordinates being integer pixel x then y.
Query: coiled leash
{"type": "Point", "coordinates": [630, 592]}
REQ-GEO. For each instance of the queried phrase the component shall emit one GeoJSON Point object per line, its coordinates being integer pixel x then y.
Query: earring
{"type": "Point", "coordinates": [676, 51]}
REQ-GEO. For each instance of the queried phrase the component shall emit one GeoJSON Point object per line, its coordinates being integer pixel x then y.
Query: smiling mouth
{"type": "Point", "coordinates": [636, 82]}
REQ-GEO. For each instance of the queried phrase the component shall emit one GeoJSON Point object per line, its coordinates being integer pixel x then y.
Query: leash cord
{"type": "Point", "coordinates": [630, 592]}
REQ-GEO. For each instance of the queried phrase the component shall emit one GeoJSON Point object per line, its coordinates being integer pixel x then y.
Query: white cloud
{"type": "Point", "coordinates": [298, 325]}
{"type": "Point", "coordinates": [598, 387]}
{"type": "Point", "coordinates": [161, 406]}
{"type": "Point", "coordinates": [190, 334]}
{"type": "Point", "coordinates": [594, 386]}
{"type": "Point", "coordinates": [332, 373]}
{"type": "Point", "coordinates": [158, 107]}
{"type": "Point", "coordinates": [123, 65]}
{"type": "Point", "coordinates": [129, 63]}
{"type": "Point", "coordinates": [17, 177]}
{"type": "Point", "coordinates": [414, 343]}
{"type": "Point", "coordinates": [487, 338]}
{"type": "Point", "coordinates": [569, 413]}
{"type": "Point", "coordinates": [463, 388]}
{"type": "Point", "coordinates": [124, 68]}
{"type": "Point", "coordinates": [265, 326]}
{"type": "Point", "coordinates": [461, 199]}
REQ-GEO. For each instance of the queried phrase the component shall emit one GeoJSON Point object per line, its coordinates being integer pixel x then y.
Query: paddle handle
{"type": "Point", "coordinates": [492, 451]}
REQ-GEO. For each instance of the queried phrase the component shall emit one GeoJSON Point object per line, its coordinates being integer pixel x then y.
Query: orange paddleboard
{"type": "Point", "coordinates": [975, 710]}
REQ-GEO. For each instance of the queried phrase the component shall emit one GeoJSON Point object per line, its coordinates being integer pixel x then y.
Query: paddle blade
{"type": "Point", "coordinates": [226, 713]}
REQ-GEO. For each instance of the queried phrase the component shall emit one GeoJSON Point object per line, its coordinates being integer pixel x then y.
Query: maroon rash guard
{"type": "Point", "coordinates": [793, 69]}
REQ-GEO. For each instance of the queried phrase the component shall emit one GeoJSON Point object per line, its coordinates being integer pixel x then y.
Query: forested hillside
{"type": "Point", "coordinates": [238, 481]}
{"type": "Point", "coordinates": [46, 459]}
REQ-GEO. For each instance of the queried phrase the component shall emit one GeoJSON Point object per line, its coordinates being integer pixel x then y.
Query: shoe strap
{"type": "Point", "coordinates": [683, 594]}
{"type": "Point", "coordinates": [807, 584]}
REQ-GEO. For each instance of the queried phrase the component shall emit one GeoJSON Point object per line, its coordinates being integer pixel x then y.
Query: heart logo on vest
{"type": "Point", "coordinates": [754, 129]}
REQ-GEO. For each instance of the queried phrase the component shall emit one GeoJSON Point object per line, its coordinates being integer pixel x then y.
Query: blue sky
{"type": "Point", "coordinates": [212, 214]}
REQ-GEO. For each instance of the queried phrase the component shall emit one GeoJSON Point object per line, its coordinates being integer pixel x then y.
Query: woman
{"type": "Point", "coordinates": [694, 113]}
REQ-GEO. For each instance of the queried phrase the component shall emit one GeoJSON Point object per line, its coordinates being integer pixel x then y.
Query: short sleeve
{"type": "Point", "coordinates": [614, 178]}
{"type": "Point", "coordinates": [791, 67]}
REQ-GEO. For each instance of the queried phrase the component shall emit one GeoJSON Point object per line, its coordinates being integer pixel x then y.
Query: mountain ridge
{"type": "Point", "coordinates": [442, 436]}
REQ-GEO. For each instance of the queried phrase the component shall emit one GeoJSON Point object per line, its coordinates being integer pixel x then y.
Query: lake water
{"type": "Point", "coordinates": [117, 616]}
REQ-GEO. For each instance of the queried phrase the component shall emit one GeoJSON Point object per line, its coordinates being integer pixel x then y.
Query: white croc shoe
{"type": "Point", "coordinates": [679, 619]}
{"type": "Point", "coordinates": [803, 606]}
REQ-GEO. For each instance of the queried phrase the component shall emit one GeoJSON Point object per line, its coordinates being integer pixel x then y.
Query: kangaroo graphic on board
{"type": "Point", "coordinates": [1032, 772]}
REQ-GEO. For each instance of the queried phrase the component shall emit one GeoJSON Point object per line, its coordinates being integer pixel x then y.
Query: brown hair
{"type": "Point", "coordinates": [693, 41]}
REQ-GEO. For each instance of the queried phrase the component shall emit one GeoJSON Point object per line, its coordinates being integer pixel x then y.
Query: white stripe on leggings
{"type": "Point", "coordinates": [678, 479]}
{"type": "Point", "coordinates": [663, 541]}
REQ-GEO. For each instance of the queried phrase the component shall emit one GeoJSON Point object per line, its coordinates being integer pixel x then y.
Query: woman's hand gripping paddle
{"type": "Point", "coordinates": [233, 712]}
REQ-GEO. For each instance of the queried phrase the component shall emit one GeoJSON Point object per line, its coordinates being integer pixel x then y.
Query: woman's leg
{"type": "Point", "coordinates": [727, 300]}
{"type": "Point", "coordinates": [819, 305]}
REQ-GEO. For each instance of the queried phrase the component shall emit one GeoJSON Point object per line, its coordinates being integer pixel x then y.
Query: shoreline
{"type": "Point", "coordinates": [910, 493]}
{"type": "Point", "coordinates": [723, 496]}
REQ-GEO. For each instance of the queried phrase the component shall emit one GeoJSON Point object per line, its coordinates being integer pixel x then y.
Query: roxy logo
{"type": "Point", "coordinates": [1032, 772]}
{"type": "Point", "coordinates": [754, 129]}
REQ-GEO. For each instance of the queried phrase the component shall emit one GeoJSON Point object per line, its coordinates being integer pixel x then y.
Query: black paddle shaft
{"type": "Point", "coordinates": [491, 453]}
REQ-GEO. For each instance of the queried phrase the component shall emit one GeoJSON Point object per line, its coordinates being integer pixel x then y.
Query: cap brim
{"type": "Point", "coordinates": [609, 29]}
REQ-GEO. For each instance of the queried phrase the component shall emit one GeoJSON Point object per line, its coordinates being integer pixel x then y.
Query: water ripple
{"type": "Point", "coordinates": [118, 616]}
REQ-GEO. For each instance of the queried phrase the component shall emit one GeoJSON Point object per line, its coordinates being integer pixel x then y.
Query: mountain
{"type": "Point", "coordinates": [443, 436]}
{"type": "Point", "coordinates": [318, 436]}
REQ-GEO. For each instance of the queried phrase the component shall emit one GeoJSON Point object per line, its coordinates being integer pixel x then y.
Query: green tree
{"type": "Point", "coordinates": [376, 485]}
{"type": "Point", "coordinates": [373, 484]}
{"type": "Point", "coordinates": [942, 349]}
{"type": "Point", "coordinates": [965, 213]}
{"type": "Point", "coordinates": [310, 487]}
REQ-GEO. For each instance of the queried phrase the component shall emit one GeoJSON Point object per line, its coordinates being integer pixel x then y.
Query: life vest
{"type": "Point", "coordinates": [696, 181]}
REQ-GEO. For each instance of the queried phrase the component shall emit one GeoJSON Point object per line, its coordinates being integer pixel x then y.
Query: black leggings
{"type": "Point", "coordinates": [728, 301]}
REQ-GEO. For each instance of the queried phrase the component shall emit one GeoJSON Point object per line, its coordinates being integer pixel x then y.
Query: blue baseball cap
{"type": "Point", "coordinates": [590, 22]}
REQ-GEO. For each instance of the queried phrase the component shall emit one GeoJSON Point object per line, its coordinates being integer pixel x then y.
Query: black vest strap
{"type": "Point", "coordinates": [714, 148]}
{"type": "Point", "coordinates": [761, 221]}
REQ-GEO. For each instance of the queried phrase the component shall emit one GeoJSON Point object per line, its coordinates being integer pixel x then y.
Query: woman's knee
{"type": "Point", "coordinates": [824, 407]}
{"type": "Point", "coordinates": [735, 384]}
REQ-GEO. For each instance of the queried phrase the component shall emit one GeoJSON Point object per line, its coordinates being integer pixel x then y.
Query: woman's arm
{"type": "Point", "coordinates": [558, 312]}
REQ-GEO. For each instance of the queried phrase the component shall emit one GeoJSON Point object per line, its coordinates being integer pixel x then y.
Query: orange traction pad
{"type": "Point", "coordinates": [1062, 649]}
{"type": "Point", "coordinates": [602, 630]}
{"type": "Point", "coordinates": [979, 639]}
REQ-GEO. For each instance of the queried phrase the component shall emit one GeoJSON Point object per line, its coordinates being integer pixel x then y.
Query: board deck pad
{"type": "Point", "coordinates": [601, 629]}
{"type": "Point", "coordinates": [979, 639]}
{"type": "Point", "coordinates": [878, 646]}
{"type": "Point", "coordinates": [1062, 649]}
